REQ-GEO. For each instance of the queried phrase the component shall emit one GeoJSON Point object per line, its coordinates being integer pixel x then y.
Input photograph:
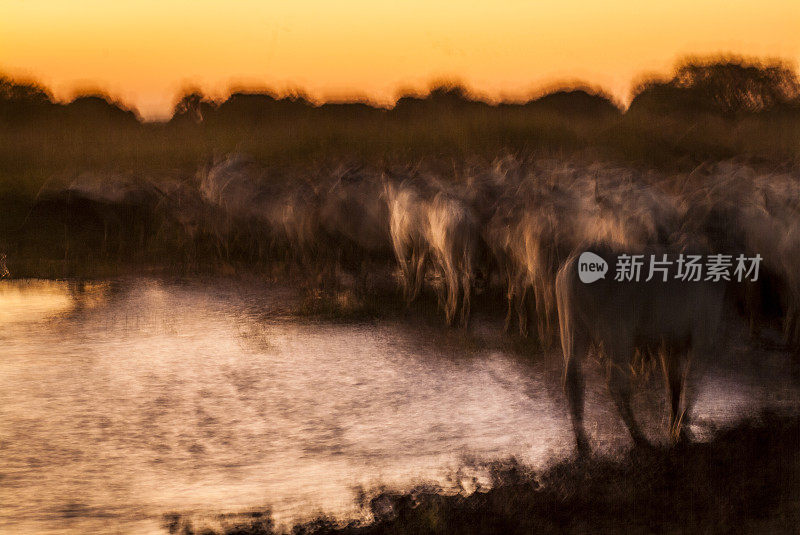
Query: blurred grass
{"type": "Point", "coordinates": [32, 153]}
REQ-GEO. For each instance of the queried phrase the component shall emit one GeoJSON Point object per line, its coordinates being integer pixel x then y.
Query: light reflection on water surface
{"type": "Point", "coordinates": [122, 401]}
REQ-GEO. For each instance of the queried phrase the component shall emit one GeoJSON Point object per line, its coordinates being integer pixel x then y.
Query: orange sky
{"type": "Point", "coordinates": [145, 51]}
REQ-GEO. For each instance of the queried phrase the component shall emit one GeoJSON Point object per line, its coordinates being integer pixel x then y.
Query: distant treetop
{"type": "Point", "coordinates": [726, 86]}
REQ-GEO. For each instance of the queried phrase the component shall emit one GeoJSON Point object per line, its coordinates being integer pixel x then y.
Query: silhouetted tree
{"type": "Point", "coordinates": [441, 98]}
{"type": "Point", "coordinates": [736, 87]}
{"type": "Point", "coordinates": [192, 106]}
{"type": "Point", "coordinates": [22, 100]}
{"type": "Point", "coordinates": [350, 110]}
{"type": "Point", "coordinates": [93, 109]}
{"type": "Point", "coordinates": [13, 91]}
{"type": "Point", "coordinates": [727, 87]}
{"type": "Point", "coordinates": [259, 108]}
{"type": "Point", "coordinates": [575, 102]}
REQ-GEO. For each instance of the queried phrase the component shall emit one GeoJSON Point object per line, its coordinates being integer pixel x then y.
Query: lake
{"type": "Point", "coordinates": [124, 400]}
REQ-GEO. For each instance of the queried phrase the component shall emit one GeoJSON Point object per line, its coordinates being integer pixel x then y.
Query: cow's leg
{"type": "Point", "coordinates": [517, 304]}
{"type": "Point", "coordinates": [522, 308]}
{"type": "Point", "coordinates": [546, 320]}
{"type": "Point", "coordinates": [453, 291]}
{"type": "Point", "coordinates": [575, 347]}
{"type": "Point", "coordinates": [619, 385]}
{"type": "Point", "coordinates": [694, 367]}
{"type": "Point", "coordinates": [536, 305]}
{"type": "Point", "coordinates": [439, 269]}
{"type": "Point", "coordinates": [753, 303]}
{"type": "Point", "coordinates": [674, 376]}
{"type": "Point", "coordinates": [509, 308]}
{"type": "Point", "coordinates": [466, 300]}
{"type": "Point", "coordinates": [401, 255]}
{"type": "Point", "coordinates": [420, 258]}
{"type": "Point", "coordinates": [511, 296]}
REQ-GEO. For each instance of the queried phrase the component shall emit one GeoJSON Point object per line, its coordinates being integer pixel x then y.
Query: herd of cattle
{"type": "Point", "coordinates": [515, 226]}
{"type": "Point", "coordinates": [510, 225]}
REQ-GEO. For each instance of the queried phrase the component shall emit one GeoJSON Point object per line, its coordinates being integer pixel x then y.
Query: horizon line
{"type": "Point", "coordinates": [422, 91]}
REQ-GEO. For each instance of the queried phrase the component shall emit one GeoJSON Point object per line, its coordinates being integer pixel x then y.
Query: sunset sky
{"type": "Point", "coordinates": [145, 51]}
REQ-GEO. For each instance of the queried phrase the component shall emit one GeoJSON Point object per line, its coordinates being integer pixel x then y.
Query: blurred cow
{"type": "Point", "coordinates": [100, 214]}
{"type": "Point", "coordinates": [407, 204]}
{"type": "Point", "coordinates": [676, 321]}
{"type": "Point", "coordinates": [452, 235]}
{"type": "Point", "coordinates": [355, 221]}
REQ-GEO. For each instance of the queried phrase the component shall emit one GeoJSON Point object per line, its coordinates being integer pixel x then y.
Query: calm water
{"type": "Point", "coordinates": [123, 401]}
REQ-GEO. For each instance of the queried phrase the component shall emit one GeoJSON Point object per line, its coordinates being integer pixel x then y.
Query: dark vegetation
{"type": "Point", "coordinates": [745, 479]}
{"type": "Point", "coordinates": [707, 110]}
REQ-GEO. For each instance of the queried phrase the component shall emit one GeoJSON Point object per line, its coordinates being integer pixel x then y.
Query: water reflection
{"type": "Point", "coordinates": [121, 402]}
{"type": "Point", "coordinates": [32, 300]}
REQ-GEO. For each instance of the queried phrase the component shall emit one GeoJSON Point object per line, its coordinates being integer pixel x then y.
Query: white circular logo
{"type": "Point", "coordinates": [591, 267]}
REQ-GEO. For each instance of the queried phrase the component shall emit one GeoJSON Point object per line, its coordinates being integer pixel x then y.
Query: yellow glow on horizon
{"type": "Point", "coordinates": [145, 51]}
